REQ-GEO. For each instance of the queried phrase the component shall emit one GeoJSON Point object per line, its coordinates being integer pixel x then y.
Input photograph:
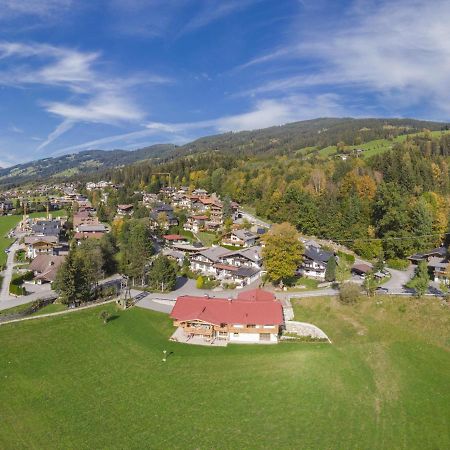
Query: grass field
{"type": "Point", "coordinates": [6, 224]}
{"type": "Point", "coordinates": [9, 222]}
{"type": "Point", "coordinates": [72, 382]}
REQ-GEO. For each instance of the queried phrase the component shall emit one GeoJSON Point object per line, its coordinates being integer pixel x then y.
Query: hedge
{"type": "Point", "coordinates": [15, 287]}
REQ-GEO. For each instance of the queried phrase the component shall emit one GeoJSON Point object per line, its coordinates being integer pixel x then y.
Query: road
{"type": "Point", "coordinates": [253, 219]}
{"type": "Point", "coordinates": [8, 272]}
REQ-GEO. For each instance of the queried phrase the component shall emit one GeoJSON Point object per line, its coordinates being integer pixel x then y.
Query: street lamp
{"type": "Point", "coordinates": [164, 355]}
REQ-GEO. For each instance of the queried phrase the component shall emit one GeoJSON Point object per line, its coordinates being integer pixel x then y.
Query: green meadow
{"type": "Point", "coordinates": [72, 382]}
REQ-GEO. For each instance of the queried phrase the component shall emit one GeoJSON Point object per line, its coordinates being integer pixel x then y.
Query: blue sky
{"type": "Point", "coordinates": [76, 75]}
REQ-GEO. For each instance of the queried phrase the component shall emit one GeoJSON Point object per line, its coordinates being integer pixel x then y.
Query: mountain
{"type": "Point", "coordinates": [298, 137]}
{"type": "Point", "coordinates": [83, 162]}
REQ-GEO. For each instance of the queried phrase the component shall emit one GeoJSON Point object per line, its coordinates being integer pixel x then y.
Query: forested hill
{"type": "Point", "coordinates": [322, 136]}
{"type": "Point", "coordinates": [89, 161]}
{"type": "Point", "coordinates": [388, 197]}
{"type": "Point", "coordinates": [308, 134]}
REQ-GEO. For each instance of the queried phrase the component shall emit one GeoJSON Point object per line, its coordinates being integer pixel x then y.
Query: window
{"type": "Point", "coordinates": [236, 334]}
{"type": "Point", "coordinates": [251, 325]}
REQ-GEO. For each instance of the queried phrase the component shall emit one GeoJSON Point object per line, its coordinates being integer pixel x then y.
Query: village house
{"type": "Point", "coordinates": [241, 238]}
{"type": "Point", "coordinates": [124, 210]}
{"type": "Point", "coordinates": [163, 215]}
{"type": "Point", "coordinates": [84, 218]}
{"type": "Point", "coordinates": [36, 245]}
{"type": "Point", "coordinates": [6, 206]}
{"type": "Point", "coordinates": [253, 317]}
{"type": "Point", "coordinates": [437, 262]}
{"type": "Point", "coordinates": [204, 261]}
{"type": "Point", "coordinates": [45, 267]}
{"type": "Point", "coordinates": [314, 262]}
{"type": "Point", "coordinates": [42, 227]}
{"type": "Point", "coordinates": [195, 223]}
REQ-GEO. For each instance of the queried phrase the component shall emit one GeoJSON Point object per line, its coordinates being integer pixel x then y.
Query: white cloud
{"type": "Point", "coordinates": [214, 10]}
{"type": "Point", "coordinates": [399, 49]}
{"type": "Point", "coordinates": [99, 96]}
{"type": "Point", "coordinates": [43, 9]}
{"type": "Point", "coordinates": [63, 127]}
{"type": "Point", "coordinates": [263, 114]}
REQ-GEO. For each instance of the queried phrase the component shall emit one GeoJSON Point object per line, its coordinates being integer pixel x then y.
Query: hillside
{"type": "Point", "coordinates": [318, 137]}
{"type": "Point", "coordinates": [86, 161]}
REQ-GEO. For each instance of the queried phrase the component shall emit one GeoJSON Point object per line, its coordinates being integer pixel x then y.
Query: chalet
{"type": "Point", "coordinates": [36, 245]}
{"type": "Point", "coordinates": [241, 276]}
{"type": "Point", "coordinates": [124, 210]}
{"type": "Point", "coordinates": [45, 267]}
{"type": "Point", "coordinates": [248, 257]}
{"type": "Point", "coordinates": [46, 227]}
{"type": "Point", "coordinates": [171, 239]}
{"type": "Point", "coordinates": [84, 218]}
{"type": "Point", "coordinates": [314, 262]}
{"type": "Point", "coordinates": [241, 238]}
{"type": "Point", "coordinates": [195, 223]}
{"type": "Point", "coordinates": [6, 206]}
{"type": "Point", "coordinates": [148, 198]}
{"type": "Point", "coordinates": [216, 212]}
{"type": "Point", "coordinates": [253, 317]}
{"type": "Point", "coordinates": [438, 269]}
{"type": "Point", "coordinates": [163, 211]}
{"type": "Point", "coordinates": [175, 255]}
{"type": "Point", "coordinates": [203, 261]}
{"type": "Point", "coordinates": [439, 252]}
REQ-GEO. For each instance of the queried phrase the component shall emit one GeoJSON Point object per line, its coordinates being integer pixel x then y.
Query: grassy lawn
{"type": "Point", "coordinates": [72, 382]}
{"type": "Point", "coordinates": [52, 308]}
{"type": "Point", "coordinates": [6, 224]}
{"type": "Point", "coordinates": [207, 239]}
{"type": "Point", "coordinates": [9, 222]}
{"type": "Point", "coordinates": [303, 284]}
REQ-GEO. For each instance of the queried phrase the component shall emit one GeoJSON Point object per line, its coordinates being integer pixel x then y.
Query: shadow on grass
{"type": "Point", "coordinates": [113, 317]}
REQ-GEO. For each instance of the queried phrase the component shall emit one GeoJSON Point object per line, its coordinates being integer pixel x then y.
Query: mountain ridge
{"type": "Point", "coordinates": [320, 133]}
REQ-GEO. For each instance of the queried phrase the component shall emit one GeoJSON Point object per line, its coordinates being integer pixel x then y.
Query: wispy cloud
{"type": "Point", "coordinates": [158, 18]}
{"type": "Point", "coordinates": [264, 113]}
{"type": "Point", "coordinates": [96, 96]}
{"type": "Point", "coordinates": [213, 10]}
{"type": "Point", "coordinates": [398, 49]}
{"type": "Point", "coordinates": [38, 8]}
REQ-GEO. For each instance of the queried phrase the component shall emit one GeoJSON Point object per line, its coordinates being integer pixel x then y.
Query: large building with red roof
{"type": "Point", "coordinates": [255, 316]}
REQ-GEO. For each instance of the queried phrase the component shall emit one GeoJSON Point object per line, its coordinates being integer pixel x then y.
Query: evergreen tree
{"type": "Point", "coordinates": [163, 274]}
{"type": "Point", "coordinates": [421, 279]}
{"type": "Point", "coordinates": [330, 273]}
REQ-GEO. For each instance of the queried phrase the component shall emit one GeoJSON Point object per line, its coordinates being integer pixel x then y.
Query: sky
{"type": "Point", "coordinates": [106, 74]}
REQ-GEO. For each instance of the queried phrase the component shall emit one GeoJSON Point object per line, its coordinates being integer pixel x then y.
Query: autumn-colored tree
{"type": "Point", "coordinates": [282, 252]}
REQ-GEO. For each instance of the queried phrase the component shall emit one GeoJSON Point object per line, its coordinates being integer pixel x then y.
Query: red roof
{"type": "Point", "coordinates": [174, 237]}
{"type": "Point", "coordinates": [200, 217]}
{"type": "Point", "coordinates": [217, 311]}
{"type": "Point", "coordinates": [258, 295]}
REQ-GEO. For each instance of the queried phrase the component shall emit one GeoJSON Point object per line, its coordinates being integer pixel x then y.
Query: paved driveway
{"type": "Point", "coordinates": [398, 280]}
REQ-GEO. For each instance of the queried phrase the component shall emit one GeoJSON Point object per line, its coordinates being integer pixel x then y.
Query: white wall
{"type": "Point", "coordinates": [251, 338]}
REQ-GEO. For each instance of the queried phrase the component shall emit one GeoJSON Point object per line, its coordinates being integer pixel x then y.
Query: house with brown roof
{"type": "Point", "coordinates": [124, 210]}
{"type": "Point", "coordinates": [40, 244]}
{"type": "Point", "coordinates": [253, 317]}
{"type": "Point", "coordinates": [45, 267]}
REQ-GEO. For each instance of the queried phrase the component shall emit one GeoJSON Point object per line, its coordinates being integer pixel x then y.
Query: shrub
{"type": "Point", "coordinates": [397, 263]}
{"type": "Point", "coordinates": [346, 257]}
{"type": "Point", "coordinates": [349, 293]}
{"type": "Point", "coordinates": [200, 282]}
